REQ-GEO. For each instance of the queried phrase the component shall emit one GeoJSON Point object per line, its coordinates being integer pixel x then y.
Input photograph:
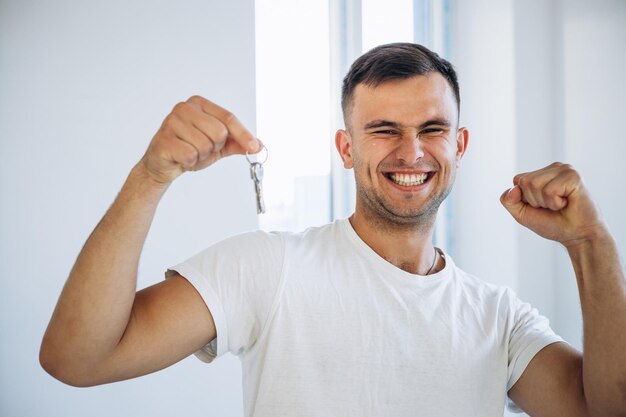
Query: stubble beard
{"type": "Point", "coordinates": [383, 214]}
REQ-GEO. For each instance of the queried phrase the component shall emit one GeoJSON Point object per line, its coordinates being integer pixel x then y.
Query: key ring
{"type": "Point", "coordinates": [267, 154]}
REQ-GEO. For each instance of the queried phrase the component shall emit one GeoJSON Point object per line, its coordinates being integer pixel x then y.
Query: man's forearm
{"type": "Point", "coordinates": [96, 302]}
{"type": "Point", "coordinates": [602, 287]}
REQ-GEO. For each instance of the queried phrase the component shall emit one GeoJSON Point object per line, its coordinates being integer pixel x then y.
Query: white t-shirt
{"type": "Point", "coordinates": [326, 327]}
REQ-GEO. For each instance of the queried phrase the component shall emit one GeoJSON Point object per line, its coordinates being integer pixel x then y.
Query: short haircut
{"type": "Point", "coordinates": [394, 61]}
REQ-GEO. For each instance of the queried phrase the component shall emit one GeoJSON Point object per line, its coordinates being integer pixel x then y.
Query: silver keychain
{"type": "Point", "coordinates": [256, 173]}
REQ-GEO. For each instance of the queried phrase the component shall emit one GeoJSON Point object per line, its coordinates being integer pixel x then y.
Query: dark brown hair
{"type": "Point", "coordinates": [392, 62]}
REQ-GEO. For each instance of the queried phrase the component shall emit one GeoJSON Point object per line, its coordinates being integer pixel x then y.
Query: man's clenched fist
{"type": "Point", "coordinates": [554, 203]}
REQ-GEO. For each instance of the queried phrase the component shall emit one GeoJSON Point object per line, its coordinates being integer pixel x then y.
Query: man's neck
{"type": "Point", "coordinates": [408, 247]}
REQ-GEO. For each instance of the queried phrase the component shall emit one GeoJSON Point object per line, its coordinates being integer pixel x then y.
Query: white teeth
{"type": "Point", "coordinates": [408, 179]}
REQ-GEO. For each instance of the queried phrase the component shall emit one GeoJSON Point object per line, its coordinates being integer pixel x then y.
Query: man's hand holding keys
{"type": "Point", "coordinates": [193, 136]}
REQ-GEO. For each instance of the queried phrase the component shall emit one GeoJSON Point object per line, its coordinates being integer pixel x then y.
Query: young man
{"type": "Point", "coordinates": [362, 317]}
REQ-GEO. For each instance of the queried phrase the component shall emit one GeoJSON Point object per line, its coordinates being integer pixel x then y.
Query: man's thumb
{"type": "Point", "coordinates": [511, 199]}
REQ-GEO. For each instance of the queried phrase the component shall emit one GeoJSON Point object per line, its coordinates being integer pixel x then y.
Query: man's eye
{"type": "Point", "coordinates": [384, 132]}
{"type": "Point", "coordinates": [432, 132]}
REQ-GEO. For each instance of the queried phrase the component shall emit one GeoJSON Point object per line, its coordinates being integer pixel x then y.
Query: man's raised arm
{"type": "Point", "coordinates": [101, 329]}
{"type": "Point", "coordinates": [554, 203]}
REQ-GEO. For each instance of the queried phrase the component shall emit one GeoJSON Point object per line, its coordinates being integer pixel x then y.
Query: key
{"type": "Point", "coordinates": [256, 173]}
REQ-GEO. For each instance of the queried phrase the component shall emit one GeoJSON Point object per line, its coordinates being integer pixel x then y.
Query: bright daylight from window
{"type": "Point", "coordinates": [293, 111]}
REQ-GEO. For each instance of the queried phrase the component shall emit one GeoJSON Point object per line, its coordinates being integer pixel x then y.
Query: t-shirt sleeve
{"type": "Point", "coordinates": [238, 279]}
{"type": "Point", "coordinates": [530, 332]}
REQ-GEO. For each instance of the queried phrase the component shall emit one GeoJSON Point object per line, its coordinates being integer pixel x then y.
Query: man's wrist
{"type": "Point", "coordinates": [596, 245]}
{"type": "Point", "coordinates": [144, 183]}
{"type": "Point", "coordinates": [590, 236]}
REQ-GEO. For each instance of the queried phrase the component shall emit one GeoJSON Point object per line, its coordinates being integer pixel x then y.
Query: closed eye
{"type": "Point", "coordinates": [385, 132]}
{"type": "Point", "coordinates": [434, 132]}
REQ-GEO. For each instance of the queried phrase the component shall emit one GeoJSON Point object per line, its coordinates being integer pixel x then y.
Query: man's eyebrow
{"type": "Point", "coordinates": [381, 123]}
{"type": "Point", "coordinates": [437, 122]}
{"type": "Point", "coordinates": [387, 123]}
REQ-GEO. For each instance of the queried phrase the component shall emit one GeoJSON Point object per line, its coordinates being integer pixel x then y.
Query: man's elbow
{"type": "Point", "coordinates": [61, 369]}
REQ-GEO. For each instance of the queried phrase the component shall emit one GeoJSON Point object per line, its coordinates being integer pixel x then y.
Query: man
{"type": "Point", "coordinates": [363, 317]}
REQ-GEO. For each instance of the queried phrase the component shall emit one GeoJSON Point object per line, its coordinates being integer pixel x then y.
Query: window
{"type": "Point", "coordinates": [293, 111]}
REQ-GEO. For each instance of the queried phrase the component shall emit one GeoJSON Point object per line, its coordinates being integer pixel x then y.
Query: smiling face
{"type": "Point", "coordinates": [404, 145]}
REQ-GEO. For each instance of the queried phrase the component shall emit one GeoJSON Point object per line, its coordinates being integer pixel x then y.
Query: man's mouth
{"type": "Point", "coordinates": [408, 180]}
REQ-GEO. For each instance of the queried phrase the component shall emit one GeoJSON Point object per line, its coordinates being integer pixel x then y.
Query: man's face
{"type": "Point", "coordinates": [404, 145]}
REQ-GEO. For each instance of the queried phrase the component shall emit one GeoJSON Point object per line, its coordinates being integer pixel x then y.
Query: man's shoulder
{"type": "Point", "coordinates": [480, 288]}
{"type": "Point", "coordinates": [263, 238]}
{"type": "Point", "coordinates": [317, 233]}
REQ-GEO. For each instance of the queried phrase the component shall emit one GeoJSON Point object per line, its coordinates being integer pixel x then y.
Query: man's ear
{"type": "Point", "coordinates": [462, 139]}
{"type": "Point", "coordinates": [343, 142]}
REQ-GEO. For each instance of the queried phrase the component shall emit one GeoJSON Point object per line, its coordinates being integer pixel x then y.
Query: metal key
{"type": "Point", "coordinates": [256, 173]}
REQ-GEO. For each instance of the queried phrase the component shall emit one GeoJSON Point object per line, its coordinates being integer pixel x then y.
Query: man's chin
{"type": "Point", "coordinates": [409, 216]}
{"type": "Point", "coordinates": [399, 213]}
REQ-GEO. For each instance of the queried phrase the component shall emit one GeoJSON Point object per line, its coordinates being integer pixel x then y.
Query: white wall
{"type": "Point", "coordinates": [83, 87]}
{"type": "Point", "coordinates": [483, 36]}
{"type": "Point", "coordinates": [540, 81]}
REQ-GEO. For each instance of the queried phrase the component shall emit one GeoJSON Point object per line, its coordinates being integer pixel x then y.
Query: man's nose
{"type": "Point", "coordinates": [410, 148]}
